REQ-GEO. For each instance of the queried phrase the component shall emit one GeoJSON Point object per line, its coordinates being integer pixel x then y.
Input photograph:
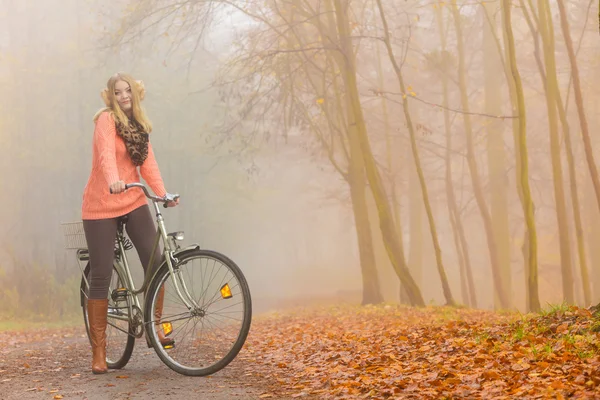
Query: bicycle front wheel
{"type": "Point", "coordinates": [203, 339]}
{"type": "Point", "coordinates": [119, 340]}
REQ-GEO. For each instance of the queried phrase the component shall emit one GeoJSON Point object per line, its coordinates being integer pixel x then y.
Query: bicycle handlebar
{"type": "Point", "coordinates": [167, 197]}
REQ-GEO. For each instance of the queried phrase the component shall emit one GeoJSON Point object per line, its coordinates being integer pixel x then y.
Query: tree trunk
{"type": "Point", "coordinates": [496, 153]}
{"type": "Point", "coordinates": [570, 160]}
{"type": "Point", "coordinates": [394, 171]}
{"type": "Point", "coordinates": [589, 153]}
{"type": "Point", "coordinates": [462, 250]}
{"type": "Point", "coordinates": [523, 162]}
{"type": "Point", "coordinates": [355, 176]}
{"type": "Point", "coordinates": [357, 181]}
{"type": "Point", "coordinates": [390, 237]}
{"type": "Point", "coordinates": [576, 203]}
{"type": "Point", "coordinates": [371, 288]}
{"type": "Point", "coordinates": [434, 236]}
{"type": "Point", "coordinates": [415, 218]}
{"type": "Point", "coordinates": [593, 233]}
{"type": "Point", "coordinates": [512, 91]}
{"type": "Point", "coordinates": [475, 180]}
{"type": "Point", "coordinates": [551, 86]}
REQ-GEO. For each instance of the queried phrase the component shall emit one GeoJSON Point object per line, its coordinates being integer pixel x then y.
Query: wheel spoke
{"type": "Point", "coordinates": [210, 337]}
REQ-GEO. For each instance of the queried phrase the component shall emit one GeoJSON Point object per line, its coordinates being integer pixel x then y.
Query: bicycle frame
{"type": "Point", "coordinates": [170, 251]}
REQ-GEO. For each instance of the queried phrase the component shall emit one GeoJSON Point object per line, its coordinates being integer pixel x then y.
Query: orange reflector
{"type": "Point", "coordinates": [226, 291]}
{"type": "Point", "coordinates": [167, 328]}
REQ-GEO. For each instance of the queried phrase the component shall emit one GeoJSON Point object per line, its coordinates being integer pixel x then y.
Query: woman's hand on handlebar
{"type": "Point", "coordinates": [173, 203]}
{"type": "Point", "coordinates": [117, 187]}
{"type": "Point", "coordinates": [168, 200]}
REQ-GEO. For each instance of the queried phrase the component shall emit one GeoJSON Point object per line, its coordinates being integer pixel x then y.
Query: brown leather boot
{"type": "Point", "coordinates": [160, 299]}
{"type": "Point", "coordinates": [97, 310]}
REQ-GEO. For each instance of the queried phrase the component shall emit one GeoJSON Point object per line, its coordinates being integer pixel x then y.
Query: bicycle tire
{"type": "Point", "coordinates": [155, 285]}
{"type": "Point", "coordinates": [128, 350]}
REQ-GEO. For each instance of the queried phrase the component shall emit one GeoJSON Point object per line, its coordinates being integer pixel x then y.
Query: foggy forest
{"type": "Point", "coordinates": [368, 152]}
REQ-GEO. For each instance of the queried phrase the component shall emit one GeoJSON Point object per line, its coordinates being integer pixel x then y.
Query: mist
{"type": "Point", "coordinates": [253, 127]}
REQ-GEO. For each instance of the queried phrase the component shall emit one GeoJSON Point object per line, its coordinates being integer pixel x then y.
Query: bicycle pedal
{"type": "Point", "coordinates": [119, 294]}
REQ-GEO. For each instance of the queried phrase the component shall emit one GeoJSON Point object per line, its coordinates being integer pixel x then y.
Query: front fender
{"type": "Point", "coordinates": [177, 255]}
{"type": "Point", "coordinates": [186, 250]}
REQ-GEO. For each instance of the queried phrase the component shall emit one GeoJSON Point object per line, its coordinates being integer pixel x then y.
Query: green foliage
{"type": "Point", "coordinates": [31, 292]}
{"type": "Point", "coordinates": [555, 309]}
{"type": "Point", "coordinates": [556, 330]}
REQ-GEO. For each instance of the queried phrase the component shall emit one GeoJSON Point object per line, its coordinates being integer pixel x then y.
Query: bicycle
{"type": "Point", "coordinates": [127, 316]}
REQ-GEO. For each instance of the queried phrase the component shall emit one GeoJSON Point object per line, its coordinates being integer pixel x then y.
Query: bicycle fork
{"type": "Point", "coordinates": [178, 281]}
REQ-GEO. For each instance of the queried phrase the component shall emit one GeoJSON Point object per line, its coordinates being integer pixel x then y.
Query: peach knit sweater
{"type": "Point", "coordinates": [111, 163]}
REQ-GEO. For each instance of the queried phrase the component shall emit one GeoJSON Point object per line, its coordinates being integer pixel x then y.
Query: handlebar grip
{"type": "Point", "coordinates": [126, 187]}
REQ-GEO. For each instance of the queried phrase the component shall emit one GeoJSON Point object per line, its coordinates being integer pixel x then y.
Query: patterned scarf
{"type": "Point", "coordinates": [136, 140]}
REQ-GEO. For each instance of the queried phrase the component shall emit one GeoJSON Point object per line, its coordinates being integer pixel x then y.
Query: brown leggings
{"type": "Point", "coordinates": [100, 235]}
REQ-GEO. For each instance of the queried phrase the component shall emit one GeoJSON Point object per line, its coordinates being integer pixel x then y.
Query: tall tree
{"type": "Point", "coordinates": [393, 167]}
{"type": "Point", "coordinates": [496, 153]}
{"type": "Point", "coordinates": [504, 297]}
{"type": "Point", "coordinates": [534, 22]}
{"type": "Point", "coordinates": [335, 110]}
{"type": "Point", "coordinates": [589, 154]}
{"type": "Point", "coordinates": [348, 71]}
{"type": "Point", "coordinates": [416, 158]}
{"type": "Point", "coordinates": [551, 86]}
{"type": "Point", "coordinates": [443, 62]}
{"type": "Point", "coordinates": [522, 169]}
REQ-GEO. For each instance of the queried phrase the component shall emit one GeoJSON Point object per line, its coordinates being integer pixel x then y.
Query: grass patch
{"type": "Point", "coordinates": [31, 323]}
{"type": "Point", "coordinates": [556, 331]}
{"type": "Point", "coordinates": [552, 309]}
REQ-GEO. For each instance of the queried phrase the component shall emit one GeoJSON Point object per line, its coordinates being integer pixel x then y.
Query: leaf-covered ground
{"type": "Point", "coordinates": [337, 352]}
{"type": "Point", "coordinates": [434, 352]}
{"type": "Point", "coordinates": [54, 363]}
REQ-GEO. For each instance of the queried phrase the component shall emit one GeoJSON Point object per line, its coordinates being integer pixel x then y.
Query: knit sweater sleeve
{"type": "Point", "coordinates": [104, 138]}
{"type": "Point", "coordinates": [151, 173]}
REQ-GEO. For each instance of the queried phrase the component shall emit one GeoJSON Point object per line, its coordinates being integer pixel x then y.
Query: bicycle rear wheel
{"type": "Point", "coordinates": [119, 340]}
{"type": "Point", "coordinates": [210, 335]}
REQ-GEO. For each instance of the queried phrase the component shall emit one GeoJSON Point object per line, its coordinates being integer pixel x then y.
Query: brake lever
{"type": "Point", "coordinates": [173, 198]}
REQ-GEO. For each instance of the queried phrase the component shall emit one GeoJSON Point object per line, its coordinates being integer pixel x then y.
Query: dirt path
{"type": "Point", "coordinates": [50, 364]}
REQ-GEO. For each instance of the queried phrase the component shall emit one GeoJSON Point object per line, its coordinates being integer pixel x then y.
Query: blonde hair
{"type": "Point", "coordinates": [137, 95]}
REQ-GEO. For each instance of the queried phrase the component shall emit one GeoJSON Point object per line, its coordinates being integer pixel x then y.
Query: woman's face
{"type": "Point", "coordinates": [123, 95]}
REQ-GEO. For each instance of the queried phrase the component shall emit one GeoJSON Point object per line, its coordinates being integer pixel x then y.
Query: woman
{"type": "Point", "coordinates": [120, 145]}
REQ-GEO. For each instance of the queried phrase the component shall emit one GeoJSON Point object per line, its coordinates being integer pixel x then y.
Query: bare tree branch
{"type": "Point", "coordinates": [408, 95]}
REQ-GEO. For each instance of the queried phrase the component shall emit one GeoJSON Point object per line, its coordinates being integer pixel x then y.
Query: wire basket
{"type": "Point", "coordinates": [74, 235]}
